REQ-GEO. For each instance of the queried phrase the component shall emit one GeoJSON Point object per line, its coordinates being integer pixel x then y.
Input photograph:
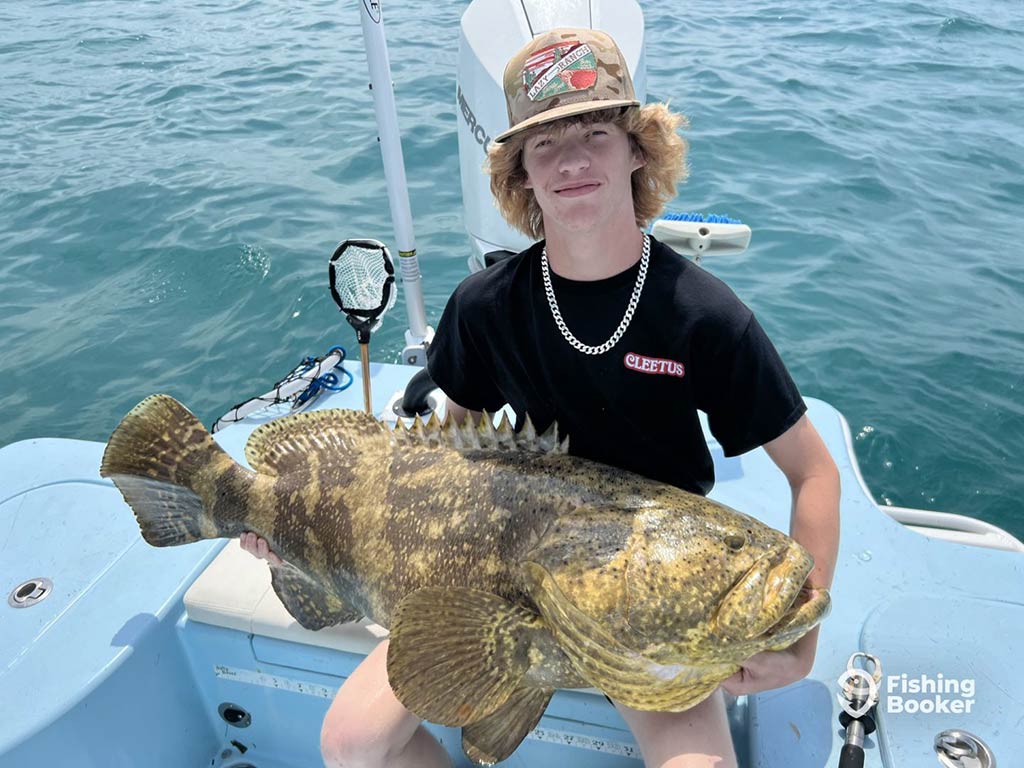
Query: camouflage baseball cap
{"type": "Point", "coordinates": [565, 72]}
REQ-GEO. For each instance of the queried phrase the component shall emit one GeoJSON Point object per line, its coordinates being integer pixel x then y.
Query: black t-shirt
{"type": "Point", "coordinates": [692, 345]}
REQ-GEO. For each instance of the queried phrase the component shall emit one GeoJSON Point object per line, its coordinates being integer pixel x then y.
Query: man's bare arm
{"type": "Point", "coordinates": [814, 522]}
{"type": "Point", "coordinates": [814, 481]}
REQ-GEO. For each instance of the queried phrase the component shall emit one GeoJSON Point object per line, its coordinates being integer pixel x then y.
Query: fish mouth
{"type": "Point", "coordinates": [810, 607]}
{"type": "Point", "coordinates": [803, 597]}
{"type": "Point", "coordinates": [764, 599]}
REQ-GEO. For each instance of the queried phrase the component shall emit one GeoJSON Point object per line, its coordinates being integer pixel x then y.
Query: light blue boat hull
{"type": "Point", "coordinates": [110, 671]}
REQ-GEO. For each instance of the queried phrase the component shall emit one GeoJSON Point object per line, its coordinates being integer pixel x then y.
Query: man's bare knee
{"type": "Point", "coordinates": [367, 726]}
{"type": "Point", "coordinates": [697, 738]}
{"type": "Point", "coordinates": [344, 745]}
{"type": "Point", "coordinates": [348, 747]}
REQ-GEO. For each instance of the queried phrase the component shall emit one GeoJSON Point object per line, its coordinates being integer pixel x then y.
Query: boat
{"type": "Point", "coordinates": [114, 653]}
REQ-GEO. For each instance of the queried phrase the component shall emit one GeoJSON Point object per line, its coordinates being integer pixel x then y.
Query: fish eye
{"type": "Point", "coordinates": [735, 541]}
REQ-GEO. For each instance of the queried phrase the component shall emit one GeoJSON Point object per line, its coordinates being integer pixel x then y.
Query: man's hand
{"type": "Point", "coordinates": [774, 669]}
{"type": "Point", "coordinates": [254, 545]}
{"type": "Point", "coordinates": [765, 671]}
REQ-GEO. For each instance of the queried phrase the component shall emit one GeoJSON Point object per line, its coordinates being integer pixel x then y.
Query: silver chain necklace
{"type": "Point", "coordinates": [545, 272]}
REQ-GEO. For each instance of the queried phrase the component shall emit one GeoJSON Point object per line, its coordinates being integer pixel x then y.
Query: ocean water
{"type": "Point", "coordinates": [174, 176]}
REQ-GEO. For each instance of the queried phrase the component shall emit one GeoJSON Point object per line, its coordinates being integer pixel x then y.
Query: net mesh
{"type": "Point", "coordinates": [363, 280]}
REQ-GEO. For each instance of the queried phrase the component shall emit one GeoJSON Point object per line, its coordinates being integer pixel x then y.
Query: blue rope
{"type": "Point", "coordinates": [329, 381]}
{"type": "Point", "coordinates": [340, 366]}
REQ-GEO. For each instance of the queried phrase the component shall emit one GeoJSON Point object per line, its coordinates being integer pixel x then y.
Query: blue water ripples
{"type": "Point", "coordinates": [173, 177]}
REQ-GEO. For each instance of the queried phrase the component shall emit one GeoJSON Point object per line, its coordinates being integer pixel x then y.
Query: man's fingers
{"type": "Point", "coordinates": [258, 547]}
{"type": "Point", "coordinates": [735, 684]}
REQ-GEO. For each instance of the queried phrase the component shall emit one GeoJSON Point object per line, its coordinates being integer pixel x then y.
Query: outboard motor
{"type": "Point", "coordinates": [491, 32]}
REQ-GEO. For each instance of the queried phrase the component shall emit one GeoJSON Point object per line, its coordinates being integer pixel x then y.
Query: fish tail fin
{"type": "Point", "coordinates": [165, 463]}
{"type": "Point", "coordinates": [495, 737]}
{"type": "Point", "coordinates": [458, 654]}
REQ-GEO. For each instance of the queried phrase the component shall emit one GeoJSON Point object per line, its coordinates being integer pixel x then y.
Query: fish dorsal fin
{"type": "Point", "coordinates": [274, 447]}
{"type": "Point", "coordinates": [480, 436]}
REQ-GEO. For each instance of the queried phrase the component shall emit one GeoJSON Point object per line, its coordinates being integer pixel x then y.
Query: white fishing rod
{"type": "Point", "coordinates": [418, 332]}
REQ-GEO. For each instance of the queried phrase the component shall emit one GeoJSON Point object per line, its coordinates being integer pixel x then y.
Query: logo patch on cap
{"type": "Point", "coordinates": [567, 65]}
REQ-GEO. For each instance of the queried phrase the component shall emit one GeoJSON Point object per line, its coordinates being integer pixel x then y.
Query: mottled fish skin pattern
{"type": "Point", "coordinates": [370, 516]}
{"type": "Point", "coordinates": [374, 518]}
{"type": "Point", "coordinates": [403, 517]}
{"type": "Point", "coordinates": [651, 563]}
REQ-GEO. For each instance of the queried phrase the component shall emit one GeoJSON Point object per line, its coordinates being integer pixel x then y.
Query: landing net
{"type": "Point", "coordinates": [363, 284]}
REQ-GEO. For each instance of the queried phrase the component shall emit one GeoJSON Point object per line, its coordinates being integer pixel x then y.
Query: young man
{"type": "Point", "coordinates": [621, 341]}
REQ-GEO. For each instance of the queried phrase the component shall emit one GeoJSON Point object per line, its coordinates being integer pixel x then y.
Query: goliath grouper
{"type": "Point", "coordinates": [504, 567]}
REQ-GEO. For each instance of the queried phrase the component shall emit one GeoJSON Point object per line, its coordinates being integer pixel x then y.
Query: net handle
{"type": "Point", "coordinates": [362, 319]}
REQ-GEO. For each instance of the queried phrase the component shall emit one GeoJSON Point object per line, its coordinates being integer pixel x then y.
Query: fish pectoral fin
{"type": "Point", "coordinates": [306, 599]}
{"type": "Point", "coordinates": [606, 663]}
{"type": "Point", "coordinates": [457, 654]}
{"type": "Point", "coordinates": [495, 737]}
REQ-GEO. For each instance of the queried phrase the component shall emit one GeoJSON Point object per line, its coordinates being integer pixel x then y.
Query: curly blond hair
{"type": "Point", "coordinates": [653, 133]}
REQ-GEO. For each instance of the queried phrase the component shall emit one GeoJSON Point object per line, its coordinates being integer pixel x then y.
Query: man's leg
{"type": "Point", "coordinates": [696, 738]}
{"type": "Point", "coordinates": [367, 727]}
